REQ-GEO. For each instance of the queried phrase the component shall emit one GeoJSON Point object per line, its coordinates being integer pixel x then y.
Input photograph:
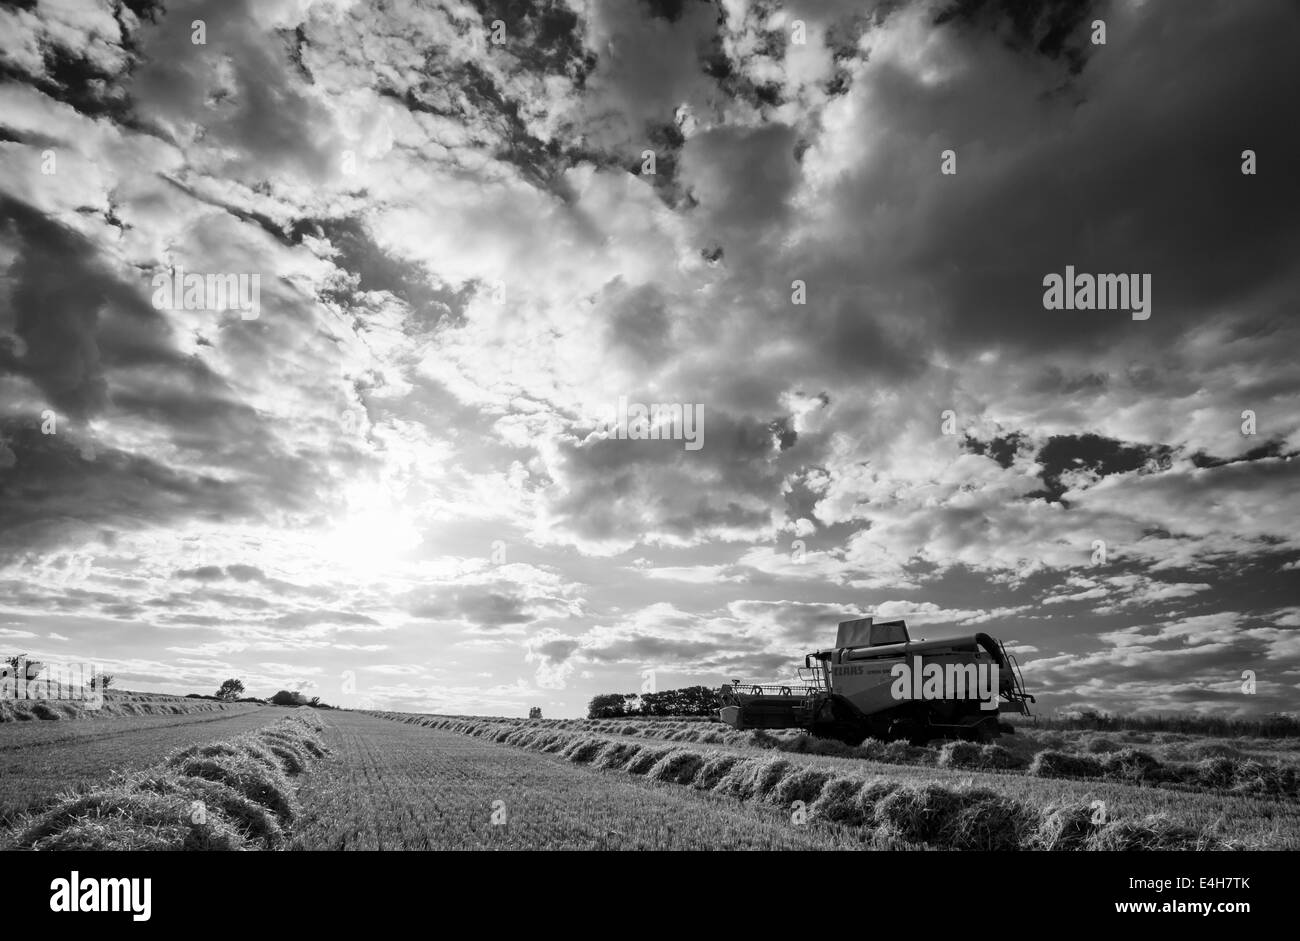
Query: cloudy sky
{"type": "Point", "coordinates": [394, 483]}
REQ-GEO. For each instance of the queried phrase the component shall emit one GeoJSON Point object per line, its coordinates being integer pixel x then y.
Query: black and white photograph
{"type": "Point", "coordinates": [588, 427]}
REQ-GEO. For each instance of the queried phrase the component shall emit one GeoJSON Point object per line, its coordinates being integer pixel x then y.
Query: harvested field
{"type": "Point", "coordinates": [396, 786]}
{"type": "Point", "coordinates": [39, 759]}
{"type": "Point", "coordinates": [394, 781]}
{"type": "Point", "coordinates": [996, 808]}
{"type": "Point", "coordinates": [229, 795]}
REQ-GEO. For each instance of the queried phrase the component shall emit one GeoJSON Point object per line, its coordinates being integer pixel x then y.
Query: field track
{"type": "Point", "coordinates": [38, 760]}
{"type": "Point", "coordinates": [392, 786]}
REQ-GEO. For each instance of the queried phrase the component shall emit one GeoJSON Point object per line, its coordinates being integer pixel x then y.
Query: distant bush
{"type": "Point", "coordinates": [288, 697]}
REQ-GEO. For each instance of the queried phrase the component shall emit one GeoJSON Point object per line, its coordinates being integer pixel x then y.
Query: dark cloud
{"type": "Point", "coordinates": [74, 77]}
{"type": "Point", "coordinates": [607, 488]}
{"type": "Point", "coordinates": [1275, 448]}
{"type": "Point", "coordinates": [54, 492]}
{"type": "Point", "coordinates": [1058, 29]}
{"type": "Point", "coordinates": [1107, 181]}
{"type": "Point", "coordinates": [1091, 453]}
{"type": "Point", "coordinates": [204, 573]}
{"type": "Point", "coordinates": [377, 270]}
{"type": "Point", "coordinates": [741, 177]}
{"type": "Point", "coordinates": [1002, 448]}
{"type": "Point", "coordinates": [237, 572]}
{"type": "Point", "coordinates": [648, 648]}
{"type": "Point", "coordinates": [637, 321]}
{"type": "Point", "coordinates": [491, 604]}
{"type": "Point", "coordinates": [311, 618]}
{"type": "Point", "coordinates": [557, 651]}
{"type": "Point", "coordinates": [670, 10]}
{"type": "Point", "coordinates": [57, 317]}
{"type": "Point", "coordinates": [276, 123]}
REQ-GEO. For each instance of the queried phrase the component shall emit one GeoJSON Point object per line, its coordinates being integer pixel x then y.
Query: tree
{"type": "Point", "coordinates": [32, 667]}
{"type": "Point", "coordinates": [607, 706]}
{"type": "Point", "coordinates": [655, 704]}
{"type": "Point", "coordinates": [101, 681]}
{"type": "Point", "coordinates": [689, 701]}
{"type": "Point", "coordinates": [694, 701]}
{"type": "Point", "coordinates": [230, 690]}
{"type": "Point", "coordinates": [287, 697]}
{"type": "Point", "coordinates": [535, 712]}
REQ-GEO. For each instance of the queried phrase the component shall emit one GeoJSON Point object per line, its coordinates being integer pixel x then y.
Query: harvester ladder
{"type": "Point", "coordinates": [1018, 692]}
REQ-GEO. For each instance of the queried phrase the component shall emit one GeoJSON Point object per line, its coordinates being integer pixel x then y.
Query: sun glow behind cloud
{"type": "Point", "coordinates": [374, 534]}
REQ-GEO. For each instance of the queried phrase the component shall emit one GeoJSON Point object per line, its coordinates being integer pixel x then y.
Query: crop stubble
{"type": "Point", "coordinates": [393, 786]}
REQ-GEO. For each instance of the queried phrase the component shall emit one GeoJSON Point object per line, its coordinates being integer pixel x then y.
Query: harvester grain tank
{"type": "Point", "coordinates": [878, 682]}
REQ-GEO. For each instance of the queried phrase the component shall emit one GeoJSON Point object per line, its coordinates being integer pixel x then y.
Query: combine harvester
{"type": "Point", "coordinates": [879, 683]}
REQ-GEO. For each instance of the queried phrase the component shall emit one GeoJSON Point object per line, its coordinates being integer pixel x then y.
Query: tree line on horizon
{"type": "Point", "coordinates": [687, 701]}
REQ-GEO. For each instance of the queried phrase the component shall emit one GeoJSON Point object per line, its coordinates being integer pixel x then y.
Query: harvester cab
{"type": "Point", "coordinates": [879, 682]}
